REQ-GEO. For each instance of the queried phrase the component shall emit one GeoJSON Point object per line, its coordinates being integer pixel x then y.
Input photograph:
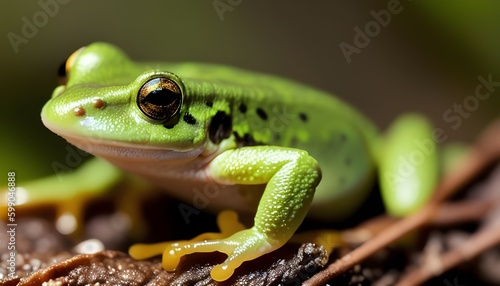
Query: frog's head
{"type": "Point", "coordinates": [111, 107]}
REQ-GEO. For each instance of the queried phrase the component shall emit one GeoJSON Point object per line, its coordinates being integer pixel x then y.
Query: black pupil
{"type": "Point", "coordinates": [161, 97]}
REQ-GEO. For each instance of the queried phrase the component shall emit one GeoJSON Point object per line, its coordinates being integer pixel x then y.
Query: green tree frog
{"type": "Point", "coordinates": [273, 148]}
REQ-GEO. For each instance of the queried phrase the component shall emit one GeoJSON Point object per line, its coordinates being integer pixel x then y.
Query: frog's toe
{"type": "Point", "coordinates": [173, 253]}
{"type": "Point", "coordinates": [228, 222]}
{"type": "Point", "coordinates": [143, 251]}
{"type": "Point", "coordinates": [172, 257]}
{"type": "Point", "coordinates": [69, 215]}
{"type": "Point", "coordinates": [222, 272]}
{"type": "Point", "coordinates": [329, 239]}
{"type": "Point", "coordinates": [239, 254]}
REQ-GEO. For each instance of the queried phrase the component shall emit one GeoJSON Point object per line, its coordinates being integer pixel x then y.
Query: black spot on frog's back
{"type": "Point", "coordinates": [189, 119]}
{"type": "Point", "coordinates": [242, 108]}
{"type": "Point", "coordinates": [245, 140]}
{"type": "Point", "coordinates": [261, 113]}
{"type": "Point", "coordinates": [220, 127]}
{"type": "Point", "coordinates": [303, 116]}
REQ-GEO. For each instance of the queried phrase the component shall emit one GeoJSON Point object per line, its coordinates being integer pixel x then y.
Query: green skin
{"type": "Point", "coordinates": [250, 136]}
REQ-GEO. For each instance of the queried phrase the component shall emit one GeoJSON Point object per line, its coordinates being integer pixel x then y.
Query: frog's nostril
{"type": "Point", "coordinates": [79, 111]}
{"type": "Point", "coordinates": [99, 103]}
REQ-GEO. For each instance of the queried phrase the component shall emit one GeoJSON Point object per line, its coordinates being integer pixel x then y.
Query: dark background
{"type": "Point", "coordinates": [426, 59]}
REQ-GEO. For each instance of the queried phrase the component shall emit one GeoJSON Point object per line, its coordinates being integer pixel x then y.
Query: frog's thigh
{"type": "Point", "coordinates": [348, 175]}
{"type": "Point", "coordinates": [408, 165]}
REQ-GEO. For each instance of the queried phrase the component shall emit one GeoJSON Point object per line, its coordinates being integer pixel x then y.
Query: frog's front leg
{"type": "Point", "coordinates": [68, 193]}
{"type": "Point", "coordinates": [291, 177]}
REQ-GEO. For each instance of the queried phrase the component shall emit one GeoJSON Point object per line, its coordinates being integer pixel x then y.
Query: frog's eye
{"type": "Point", "coordinates": [66, 67]}
{"type": "Point", "coordinates": [160, 99]}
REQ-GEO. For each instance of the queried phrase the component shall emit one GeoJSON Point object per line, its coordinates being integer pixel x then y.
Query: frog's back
{"type": "Point", "coordinates": [269, 110]}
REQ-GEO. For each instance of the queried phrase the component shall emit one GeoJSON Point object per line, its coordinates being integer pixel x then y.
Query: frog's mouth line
{"type": "Point", "coordinates": [130, 151]}
{"type": "Point", "coordinates": [125, 150]}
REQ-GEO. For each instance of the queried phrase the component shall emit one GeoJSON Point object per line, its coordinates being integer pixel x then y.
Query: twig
{"type": "Point", "coordinates": [487, 237]}
{"type": "Point", "coordinates": [461, 212]}
{"type": "Point", "coordinates": [391, 234]}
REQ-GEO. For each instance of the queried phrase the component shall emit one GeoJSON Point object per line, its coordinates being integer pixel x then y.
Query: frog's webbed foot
{"type": "Point", "coordinates": [228, 224]}
{"type": "Point", "coordinates": [242, 246]}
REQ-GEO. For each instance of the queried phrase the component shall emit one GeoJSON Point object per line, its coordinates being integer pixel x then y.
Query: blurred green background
{"type": "Point", "coordinates": [426, 58]}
